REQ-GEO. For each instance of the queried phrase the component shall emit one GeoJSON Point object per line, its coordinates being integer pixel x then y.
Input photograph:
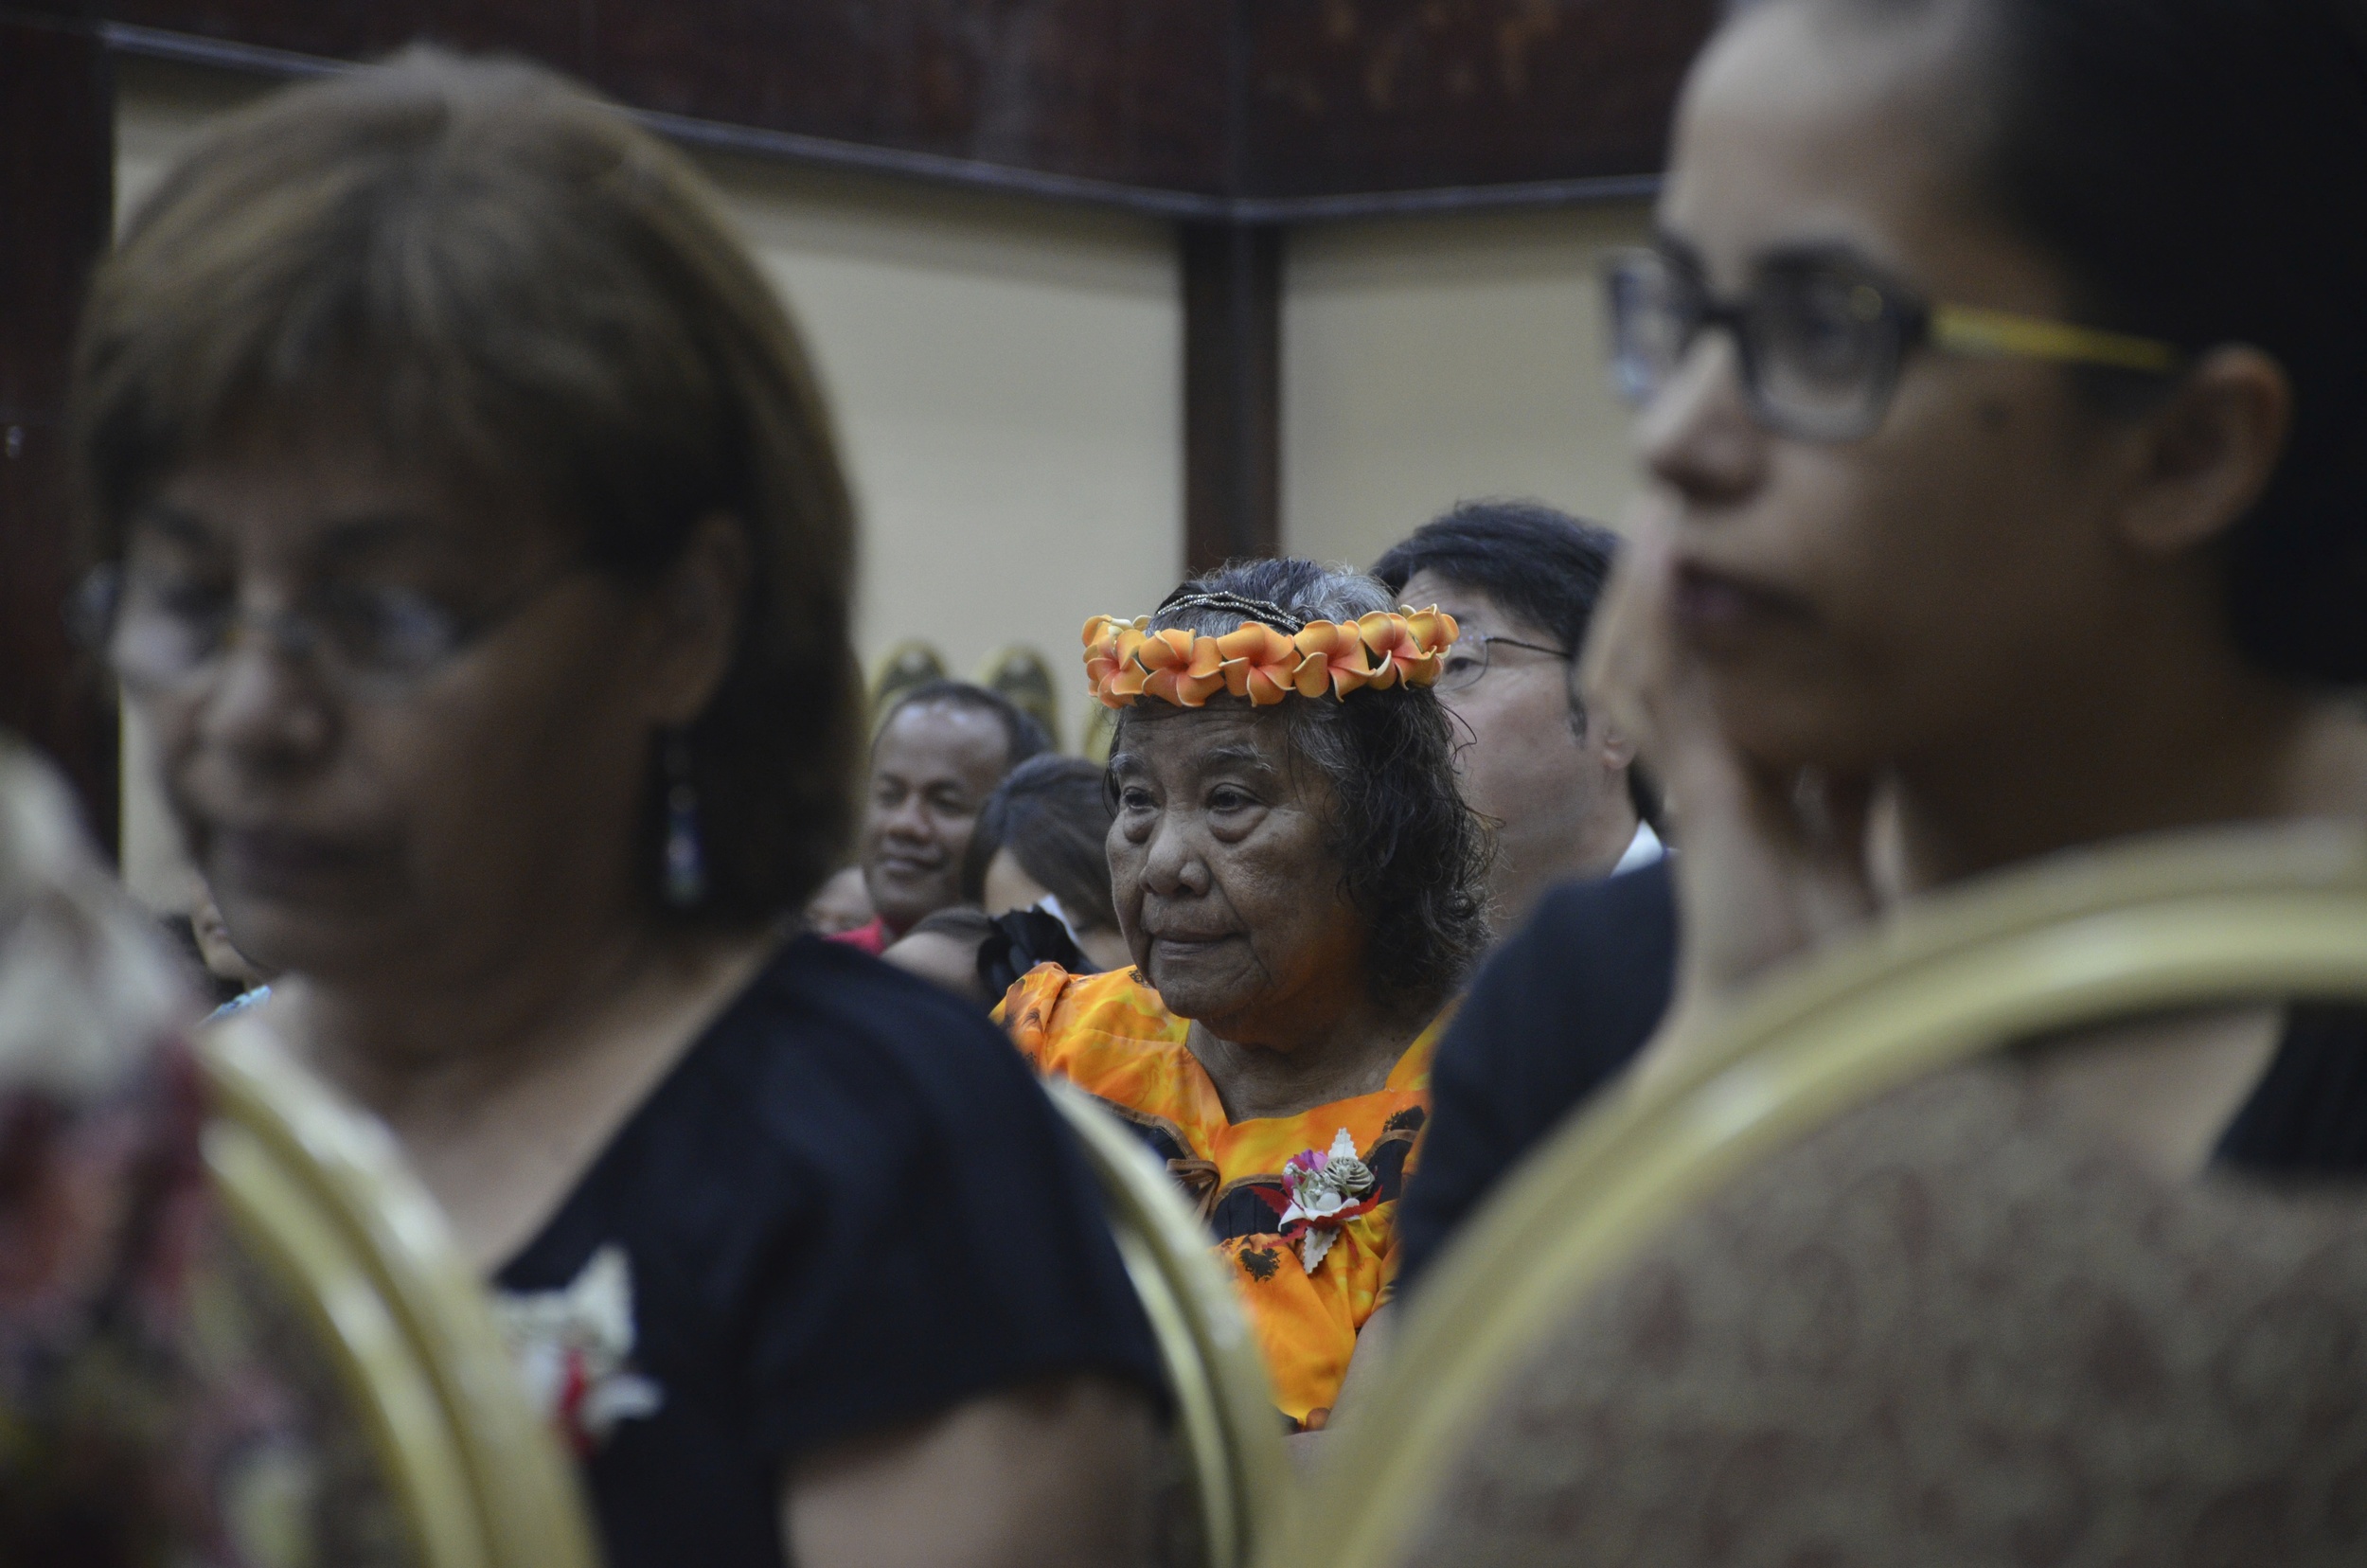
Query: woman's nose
{"type": "Point", "coordinates": [1698, 435]}
{"type": "Point", "coordinates": [1173, 863]}
{"type": "Point", "coordinates": [908, 820]}
{"type": "Point", "coordinates": [263, 705]}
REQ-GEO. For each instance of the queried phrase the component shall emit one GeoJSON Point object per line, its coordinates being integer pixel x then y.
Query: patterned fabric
{"type": "Point", "coordinates": [1111, 1035]}
{"type": "Point", "coordinates": [161, 1399]}
{"type": "Point", "coordinates": [1950, 1327]}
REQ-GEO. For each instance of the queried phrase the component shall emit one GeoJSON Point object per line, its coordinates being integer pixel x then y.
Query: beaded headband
{"type": "Point", "coordinates": [1259, 660]}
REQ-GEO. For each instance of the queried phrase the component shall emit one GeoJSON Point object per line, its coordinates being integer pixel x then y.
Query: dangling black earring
{"type": "Point", "coordinates": [686, 857]}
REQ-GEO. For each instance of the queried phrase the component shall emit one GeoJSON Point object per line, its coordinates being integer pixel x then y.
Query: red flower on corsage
{"type": "Point", "coordinates": [1325, 1188]}
{"type": "Point", "coordinates": [574, 1348]}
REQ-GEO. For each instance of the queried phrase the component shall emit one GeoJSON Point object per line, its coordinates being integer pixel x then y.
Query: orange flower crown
{"type": "Point", "coordinates": [1127, 660]}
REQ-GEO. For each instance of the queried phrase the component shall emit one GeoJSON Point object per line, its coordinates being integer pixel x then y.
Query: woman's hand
{"type": "Point", "coordinates": [1774, 862]}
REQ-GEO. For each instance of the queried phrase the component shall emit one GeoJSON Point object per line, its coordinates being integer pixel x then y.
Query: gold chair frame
{"type": "Point", "coordinates": [2242, 915]}
{"type": "Point", "coordinates": [1225, 1410]}
{"type": "Point", "coordinates": [898, 669]}
{"type": "Point", "coordinates": [321, 1196]}
{"type": "Point", "coordinates": [1023, 675]}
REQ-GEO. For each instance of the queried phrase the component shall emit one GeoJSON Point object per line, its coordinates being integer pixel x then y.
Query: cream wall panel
{"type": "Point", "coordinates": [1429, 361]}
{"type": "Point", "coordinates": [1009, 383]}
{"type": "Point", "coordinates": [1006, 380]}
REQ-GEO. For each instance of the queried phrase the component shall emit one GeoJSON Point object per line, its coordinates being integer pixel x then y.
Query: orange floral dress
{"type": "Point", "coordinates": [1110, 1036]}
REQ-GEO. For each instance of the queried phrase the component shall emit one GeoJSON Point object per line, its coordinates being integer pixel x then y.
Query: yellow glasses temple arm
{"type": "Point", "coordinates": [1965, 329]}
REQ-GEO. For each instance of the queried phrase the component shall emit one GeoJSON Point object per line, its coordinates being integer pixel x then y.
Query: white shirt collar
{"type": "Point", "coordinates": [1643, 849]}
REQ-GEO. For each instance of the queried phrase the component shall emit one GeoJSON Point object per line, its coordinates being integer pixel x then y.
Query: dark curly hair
{"type": "Point", "coordinates": [1413, 857]}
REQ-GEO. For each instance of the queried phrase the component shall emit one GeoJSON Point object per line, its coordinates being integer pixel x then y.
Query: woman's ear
{"type": "Point", "coordinates": [2208, 454]}
{"type": "Point", "coordinates": [1618, 751]}
{"type": "Point", "coordinates": [698, 612]}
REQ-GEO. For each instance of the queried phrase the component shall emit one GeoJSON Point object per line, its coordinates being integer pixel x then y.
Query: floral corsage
{"type": "Point", "coordinates": [1325, 1189]}
{"type": "Point", "coordinates": [574, 1348]}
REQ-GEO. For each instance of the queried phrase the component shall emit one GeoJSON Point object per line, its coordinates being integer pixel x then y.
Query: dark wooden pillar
{"type": "Point", "coordinates": [57, 193]}
{"type": "Point", "coordinates": [1232, 391]}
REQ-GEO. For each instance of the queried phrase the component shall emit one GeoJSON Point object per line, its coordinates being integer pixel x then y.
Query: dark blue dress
{"type": "Point", "coordinates": [849, 1206]}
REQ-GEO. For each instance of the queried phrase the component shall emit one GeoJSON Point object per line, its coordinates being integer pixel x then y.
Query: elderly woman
{"type": "Point", "coordinates": [1301, 889]}
{"type": "Point", "coordinates": [476, 548]}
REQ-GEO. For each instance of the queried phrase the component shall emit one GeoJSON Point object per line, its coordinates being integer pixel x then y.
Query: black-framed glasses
{"type": "Point", "coordinates": [1467, 661]}
{"type": "Point", "coordinates": [1821, 337]}
{"type": "Point", "coordinates": [160, 631]}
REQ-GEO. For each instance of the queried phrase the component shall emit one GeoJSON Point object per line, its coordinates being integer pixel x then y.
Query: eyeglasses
{"type": "Point", "coordinates": [1467, 661]}
{"type": "Point", "coordinates": [1821, 337]}
{"type": "Point", "coordinates": [163, 632]}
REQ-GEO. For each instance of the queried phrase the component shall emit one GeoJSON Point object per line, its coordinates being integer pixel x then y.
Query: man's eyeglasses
{"type": "Point", "coordinates": [1821, 338]}
{"type": "Point", "coordinates": [161, 630]}
{"type": "Point", "coordinates": [1467, 661]}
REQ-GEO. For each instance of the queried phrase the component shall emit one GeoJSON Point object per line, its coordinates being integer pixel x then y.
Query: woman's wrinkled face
{"type": "Point", "coordinates": [434, 824]}
{"type": "Point", "coordinates": [1856, 603]}
{"type": "Point", "coordinates": [1226, 885]}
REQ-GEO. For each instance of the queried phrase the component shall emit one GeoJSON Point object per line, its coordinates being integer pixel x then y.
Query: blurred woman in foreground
{"type": "Point", "coordinates": [476, 545]}
{"type": "Point", "coordinates": [2003, 367]}
{"type": "Point", "coordinates": [1998, 500]}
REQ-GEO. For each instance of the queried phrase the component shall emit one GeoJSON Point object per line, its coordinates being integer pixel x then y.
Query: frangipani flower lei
{"type": "Point", "coordinates": [1127, 660]}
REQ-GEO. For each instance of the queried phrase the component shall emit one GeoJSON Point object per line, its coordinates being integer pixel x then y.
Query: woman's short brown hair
{"type": "Point", "coordinates": [525, 291]}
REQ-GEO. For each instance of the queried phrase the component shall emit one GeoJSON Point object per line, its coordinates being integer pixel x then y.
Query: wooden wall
{"type": "Point", "coordinates": [56, 183]}
{"type": "Point", "coordinates": [1237, 118]}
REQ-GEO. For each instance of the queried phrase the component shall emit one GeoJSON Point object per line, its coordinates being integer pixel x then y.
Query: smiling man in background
{"type": "Point", "coordinates": [938, 757]}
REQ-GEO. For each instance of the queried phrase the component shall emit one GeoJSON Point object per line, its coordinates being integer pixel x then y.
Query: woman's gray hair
{"type": "Point", "coordinates": [1414, 858]}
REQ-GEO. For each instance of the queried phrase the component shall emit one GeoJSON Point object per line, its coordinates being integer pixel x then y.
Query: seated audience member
{"type": "Point", "coordinates": [945, 949]}
{"type": "Point", "coordinates": [1302, 890]}
{"type": "Point", "coordinates": [1579, 986]}
{"type": "Point", "coordinates": [2258, 594]}
{"type": "Point", "coordinates": [2003, 367]}
{"type": "Point", "coordinates": [1557, 1012]}
{"type": "Point", "coordinates": [842, 904]}
{"type": "Point", "coordinates": [1036, 886]}
{"type": "Point", "coordinates": [938, 755]}
{"type": "Point", "coordinates": [1044, 843]}
{"type": "Point", "coordinates": [476, 547]}
{"type": "Point", "coordinates": [1560, 789]}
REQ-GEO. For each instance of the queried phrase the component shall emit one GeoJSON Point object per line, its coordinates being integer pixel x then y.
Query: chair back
{"type": "Point", "coordinates": [907, 665]}
{"type": "Point", "coordinates": [1227, 1424]}
{"type": "Point", "coordinates": [2250, 916]}
{"type": "Point", "coordinates": [1021, 674]}
{"type": "Point", "coordinates": [317, 1194]}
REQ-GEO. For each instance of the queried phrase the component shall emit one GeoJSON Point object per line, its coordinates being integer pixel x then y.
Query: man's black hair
{"type": "Point", "coordinates": [1541, 564]}
{"type": "Point", "coordinates": [1023, 735]}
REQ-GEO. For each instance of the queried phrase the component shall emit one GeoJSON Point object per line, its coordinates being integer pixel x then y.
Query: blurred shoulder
{"type": "Point", "coordinates": [1633, 909]}
{"type": "Point", "coordinates": [828, 1033]}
